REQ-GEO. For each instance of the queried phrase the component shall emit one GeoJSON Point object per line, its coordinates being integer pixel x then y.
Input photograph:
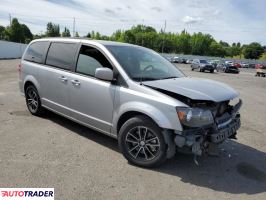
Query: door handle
{"type": "Point", "coordinates": [63, 78]}
{"type": "Point", "coordinates": [75, 82]}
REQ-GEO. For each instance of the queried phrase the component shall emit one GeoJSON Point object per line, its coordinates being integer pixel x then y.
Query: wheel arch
{"type": "Point", "coordinates": [30, 80]}
{"type": "Point", "coordinates": [167, 134]}
{"type": "Point", "coordinates": [27, 84]}
{"type": "Point", "coordinates": [128, 115]}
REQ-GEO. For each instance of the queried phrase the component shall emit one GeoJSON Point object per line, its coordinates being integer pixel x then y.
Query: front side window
{"type": "Point", "coordinates": [142, 64]}
{"type": "Point", "coordinates": [89, 60]}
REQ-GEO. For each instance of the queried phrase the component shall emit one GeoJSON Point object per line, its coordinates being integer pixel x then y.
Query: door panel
{"type": "Point", "coordinates": [54, 76]}
{"type": "Point", "coordinates": [54, 85]}
{"type": "Point", "coordinates": [91, 101]}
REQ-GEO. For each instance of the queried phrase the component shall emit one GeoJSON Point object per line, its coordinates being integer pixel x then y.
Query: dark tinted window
{"type": "Point", "coordinates": [90, 59]}
{"type": "Point", "coordinates": [36, 52]}
{"type": "Point", "coordinates": [62, 55]}
{"type": "Point", "coordinates": [203, 61]}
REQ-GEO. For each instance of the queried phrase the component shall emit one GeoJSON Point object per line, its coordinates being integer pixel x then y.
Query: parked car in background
{"type": "Point", "coordinates": [175, 59]}
{"type": "Point", "coordinates": [227, 68]}
{"type": "Point", "coordinates": [189, 61]}
{"type": "Point", "coordinates": [236, 64]}
{"type": "Point", "coordinates": [202, 65]}
{"type": "Point", "coordinates": [252, 65]}
{"type": "Point", "coordinates": [214, 62]}
{"type": "Point", "coordinates": [229, 63]}
{"type": "Point", "coordinates": [168, 58]}
{"type": "Point", "coordinates": [244, 65]}
{"type": "Point", "coordinates": [260, 70]}
{"type": "Point", "coordinates": [182, 60]}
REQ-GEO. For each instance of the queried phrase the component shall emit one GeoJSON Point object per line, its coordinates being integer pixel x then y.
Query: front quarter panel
{"type": "Point", "coordinates": [163, 113]}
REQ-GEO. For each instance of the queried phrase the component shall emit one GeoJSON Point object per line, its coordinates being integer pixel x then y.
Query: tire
{"type": "Point", "coordinates": [212, 71]}
{"type": "Point", "coordinates": [192, 69]}
{"type": "Point", "coordinates": [142, 150]}
{"type": "Point", "coordinates": [33, 101]}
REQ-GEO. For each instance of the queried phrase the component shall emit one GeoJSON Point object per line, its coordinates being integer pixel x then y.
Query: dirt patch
{"type": "Point", "coordinates": [20, 113]}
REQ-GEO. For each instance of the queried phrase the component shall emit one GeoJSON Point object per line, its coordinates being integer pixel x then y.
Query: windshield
{"type": "Point", "coordinates": [142, 64]}
{"type": "Point", "coordinates": [203, 61]}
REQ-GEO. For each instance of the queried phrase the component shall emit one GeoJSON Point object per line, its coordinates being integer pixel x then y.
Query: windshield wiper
{"type": "Point", "coordinates": [169, 77]}
{"type": "Point", "coordinates": [144, 79]}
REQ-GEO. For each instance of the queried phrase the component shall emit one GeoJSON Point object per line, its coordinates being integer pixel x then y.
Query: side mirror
{"type": "Point", "coordinates": [104, 74]}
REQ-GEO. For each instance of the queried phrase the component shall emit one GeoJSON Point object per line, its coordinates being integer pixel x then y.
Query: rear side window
{"type": "Point", "coordinates": [90, 59]}
{"type": "Point", "coordinates": [36, 52]}
{"type": "Point", "coordinates": [62, 55]}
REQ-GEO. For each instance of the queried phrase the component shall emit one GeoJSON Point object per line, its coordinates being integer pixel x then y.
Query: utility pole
{"type": "Point", "coordinates": [10, 19]}
{"type": "Point", "coordinates": [74, 27]}
{"type": "Point", "coordinates": [142, 27]}
{"type": "Point", "coordinates": [163, 35]}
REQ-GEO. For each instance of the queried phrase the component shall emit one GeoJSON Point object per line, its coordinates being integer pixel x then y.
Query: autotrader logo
{"type": "Point", "coordinates": [27, 193]}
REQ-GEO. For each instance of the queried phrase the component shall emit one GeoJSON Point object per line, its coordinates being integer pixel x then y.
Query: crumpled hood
{"type": "Point", "coordinates": [195, 88]}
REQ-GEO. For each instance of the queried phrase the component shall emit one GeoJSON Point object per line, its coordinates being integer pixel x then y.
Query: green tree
{"type": "Point", "coordinates": [130, 37]}
{"type": "Point", "coordinates": [235, 50]}
{"type": "Point", "coordinates": [66, 33]}
{"type": "Point", "coordinates": [15, 32]}
{"type": "Point", "coordinates": [2, 32]}
{"type": "Point", "coordinates": [88, 35]}
{"type": "Point", "coordinates": [27, 33]}
{"type": "Point", "coordinates": [225, 44]}
{"type": "Point", "coordinates": [183, 42]}
{"type": "Point", "coordinates": [76, 34]}
{"type": "Point", "coordinates": [253, 51]}
{"type": "Point", "coordinates": [118, 36]}
{"type": "Point", "coordinates": [216, 49]}
{"type": "Point", "coordinates": [52, 30]}
{"type": "Point", "coordinates": [200, 43]}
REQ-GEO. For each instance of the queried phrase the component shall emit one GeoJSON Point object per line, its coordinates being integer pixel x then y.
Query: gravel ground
{"type": "Point", "coordinates": [82, 164]}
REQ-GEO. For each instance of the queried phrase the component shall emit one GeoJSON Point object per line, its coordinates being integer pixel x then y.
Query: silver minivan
{"type": "Point", "coordinates": [130, 93]}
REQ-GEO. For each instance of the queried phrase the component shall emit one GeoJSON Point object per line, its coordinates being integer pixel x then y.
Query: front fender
{"type": "Point", "coordinates": [166, 118]}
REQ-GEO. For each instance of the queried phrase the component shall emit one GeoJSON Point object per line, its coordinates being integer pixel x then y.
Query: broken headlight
{"type": "Point", "coordinates": [195, 117]}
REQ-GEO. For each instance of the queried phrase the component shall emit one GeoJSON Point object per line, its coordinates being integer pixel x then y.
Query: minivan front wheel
{"type": "Point", "coordinates": [33, 101]}
{"type": "Point", "coordinates": [142, 142]}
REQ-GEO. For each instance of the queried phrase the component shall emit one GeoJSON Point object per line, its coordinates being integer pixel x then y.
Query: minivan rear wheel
{"type": "Point", "coordinates": [33, 101]}
{"type": "Point", "coordinates": [141, 142]}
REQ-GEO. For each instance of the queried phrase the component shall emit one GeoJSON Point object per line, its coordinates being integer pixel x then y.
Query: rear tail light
{"type": "Point", "coordinates": [19, 68]}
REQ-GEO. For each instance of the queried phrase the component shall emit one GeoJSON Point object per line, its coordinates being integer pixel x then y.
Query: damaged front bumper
{"type": "Point", "coordinates": [198, 140]}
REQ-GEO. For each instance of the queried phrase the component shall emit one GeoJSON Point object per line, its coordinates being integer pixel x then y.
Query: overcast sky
{"type": "Point", "coordinates": [229, 20]}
